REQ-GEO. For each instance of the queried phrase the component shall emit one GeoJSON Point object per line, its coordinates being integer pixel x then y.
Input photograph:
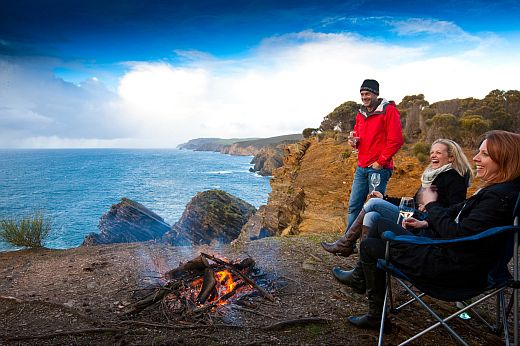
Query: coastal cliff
{"type": "Point", "coordinates": [267, 160]}
{"type": "Point", "coordinates": [240, 147]}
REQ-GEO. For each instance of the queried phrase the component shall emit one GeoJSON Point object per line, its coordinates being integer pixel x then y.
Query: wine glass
{"type": "Point", "coordinates": [406, 208]}
{"type": "Point", "coordinates": [375, 180]}
{"type": "Point", "coordinates": [354, 138]}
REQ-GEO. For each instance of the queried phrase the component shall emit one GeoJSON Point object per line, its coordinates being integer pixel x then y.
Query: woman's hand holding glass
{"type": "Point", "coordinates": [406, 208]}
{"type": "Point", "coordinates": [411, 222]}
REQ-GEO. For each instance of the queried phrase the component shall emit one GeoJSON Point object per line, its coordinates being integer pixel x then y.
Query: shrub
{"type": "Point", "coordinates": [421, 148]}
{"type": "Point", "coordinates": [30, 231]}
{"type": "Point", "coordinates": [422, 157]}
{"type": "Point", "coordinates": [346, 154]}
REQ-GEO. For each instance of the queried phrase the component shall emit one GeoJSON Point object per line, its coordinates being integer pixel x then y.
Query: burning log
{"type": "Point", "coordinates": [197, 286]}
{"type": "Point", "coordinates": [157, 295]}
{"type": "Point", "coordinates": [195, 265]}
{"type": "Point", "coordinates": [263, 292]}
{"type": "Point", "coordinates": [208, 286]}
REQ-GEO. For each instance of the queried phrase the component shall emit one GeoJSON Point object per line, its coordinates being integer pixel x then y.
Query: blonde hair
{"type": "Point", "coordinates": [504, 149]}
{"type": "Point", "coordinates": [460, 161]}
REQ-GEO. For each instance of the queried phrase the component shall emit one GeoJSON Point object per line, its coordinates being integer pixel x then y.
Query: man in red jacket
{"type": "Point", "coordinates": [380, 136]}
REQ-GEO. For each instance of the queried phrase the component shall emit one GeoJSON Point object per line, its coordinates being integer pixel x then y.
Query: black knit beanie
{"type": "Point", "coordinates": [370, 85]}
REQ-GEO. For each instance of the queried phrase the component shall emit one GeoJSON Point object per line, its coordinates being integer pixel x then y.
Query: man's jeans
{"type": "Point", "coordinates": [360, 188]}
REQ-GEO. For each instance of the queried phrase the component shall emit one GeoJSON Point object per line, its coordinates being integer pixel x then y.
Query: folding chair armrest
{"type": "Point", "coordinates": [417, 240]}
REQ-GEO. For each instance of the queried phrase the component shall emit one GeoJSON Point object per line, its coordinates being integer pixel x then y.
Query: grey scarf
{"type": "Point", "coordinates": [430, 174]}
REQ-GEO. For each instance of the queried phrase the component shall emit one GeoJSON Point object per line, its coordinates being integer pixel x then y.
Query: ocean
{"type": "Point", "coordinates": [75, 187]}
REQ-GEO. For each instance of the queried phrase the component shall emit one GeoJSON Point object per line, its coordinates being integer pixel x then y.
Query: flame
{"type": "Point", "coordinates": [225, 279]}
{"type": "Point", "coordinates": [228, 285]}
{"type": "Point", "coordinates": [225, 284]}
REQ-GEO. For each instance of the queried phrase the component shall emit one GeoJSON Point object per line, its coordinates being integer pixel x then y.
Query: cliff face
{"type": "Point", "coordinates": [210, 216]}
{"type": "Point", "coordinates": [310, 192]}
{"type": "Point", "coordinates": [267, 160]}
{"type": "Point", "coordinates": [240, 150]}
{"type": "Point", "coordinates": [126, 222]}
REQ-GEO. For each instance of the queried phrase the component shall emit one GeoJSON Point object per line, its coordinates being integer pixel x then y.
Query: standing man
{"type": "Point", "coordinates": [378, 126]}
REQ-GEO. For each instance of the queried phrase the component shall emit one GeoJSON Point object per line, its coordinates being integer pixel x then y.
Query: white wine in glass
{"type": "Point", "coordinates": [375, 180]}
{"type": "Point", "coordinates": [406, 208]}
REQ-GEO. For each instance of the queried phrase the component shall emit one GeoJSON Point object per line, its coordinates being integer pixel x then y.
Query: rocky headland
{"type": "Point", "coordinates": [238, 146]}
{"type": "Point", "coordinates": [268, 152]}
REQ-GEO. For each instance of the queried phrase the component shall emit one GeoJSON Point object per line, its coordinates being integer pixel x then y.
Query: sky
{"type": "Point", "coordinates": [157, 73]}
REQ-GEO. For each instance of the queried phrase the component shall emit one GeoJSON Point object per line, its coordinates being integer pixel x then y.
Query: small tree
{"type": "Point", "coordinates": [472, 127]}
{"type": "Point", "coordinates": [343, 116]}
{"type": "Point", "coordinates": [30, 231]}
{"type": "Point", "coordinates": [309, 132]}
{"type": "Point", "coordinates": [443, 126]}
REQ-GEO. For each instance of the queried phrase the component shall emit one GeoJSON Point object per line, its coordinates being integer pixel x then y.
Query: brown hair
{"type": "Point", "coordinates": [504, 148]}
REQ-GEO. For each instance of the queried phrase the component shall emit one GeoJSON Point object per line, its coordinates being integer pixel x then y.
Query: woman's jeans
{"type": "Point", "coordinates": [376, 208]}
{"type": "Point", "coordinates": [361, 187]}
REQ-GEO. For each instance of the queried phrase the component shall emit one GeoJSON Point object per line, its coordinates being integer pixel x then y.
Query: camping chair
{"type": "Point", "coordinates": [499, 279]}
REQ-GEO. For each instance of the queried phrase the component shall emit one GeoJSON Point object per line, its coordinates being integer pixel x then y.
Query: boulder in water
{"type": "Point", "coordinates": [211, 216]}
{"type": "Point", "coordinates": [126, 222]}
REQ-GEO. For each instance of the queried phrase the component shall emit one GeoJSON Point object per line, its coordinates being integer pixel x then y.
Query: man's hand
{"type": "Point", "coordinates": [375, 194]}
{"type": "Point", "coordinates": [376, 166]}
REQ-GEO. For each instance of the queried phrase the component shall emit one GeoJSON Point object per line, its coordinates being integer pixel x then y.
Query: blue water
{"type": "Point", "coordinates": [75, 187]}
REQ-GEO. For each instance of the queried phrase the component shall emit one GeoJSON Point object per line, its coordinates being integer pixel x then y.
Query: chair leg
{"type": "Point", "coordinates": [435, 315]}
{"type": "Point", "coordinates": [502, 307]}
{"type": "Point", "coordinates": [383, 314]}
{"type": "Point", "coordinates": [516, 325]}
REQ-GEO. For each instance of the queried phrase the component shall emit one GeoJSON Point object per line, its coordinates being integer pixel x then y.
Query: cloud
{"type": "Point", "coordinates": [290, 82]}
{"type": "Point", "coordinates": [287, 83]}
{"type": "Point", "coordinates": [439, 28]}
{"type": "Point", "coordinates": [36, 105]}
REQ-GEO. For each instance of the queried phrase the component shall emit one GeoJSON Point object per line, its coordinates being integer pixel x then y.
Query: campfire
{"type": "Point", "coordinates": [202, 285]}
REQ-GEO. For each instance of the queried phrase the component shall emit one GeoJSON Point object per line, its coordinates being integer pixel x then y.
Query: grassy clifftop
{"type": "Point", "coordinates": [223, 145]}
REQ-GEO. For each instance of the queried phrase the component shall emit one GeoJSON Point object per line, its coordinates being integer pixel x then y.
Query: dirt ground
{"type": "Point", "coordinates": [79, 296]}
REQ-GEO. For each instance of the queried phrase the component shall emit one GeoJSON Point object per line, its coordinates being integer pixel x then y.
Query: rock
{"type": "Point", "coordinates": [282, 215]}
{"type": "Point", "coordinates": [267, 160]}
{"type": "Point", "coordinates": [126, 222]}
{"type": "Point", "coordinates": [211, 216]}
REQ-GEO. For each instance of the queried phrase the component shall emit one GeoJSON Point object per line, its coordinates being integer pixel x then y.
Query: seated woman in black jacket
{"type": "Point", "coordinates": [449, 171]}
{"type": "Point", "coordinates": [498, 167]}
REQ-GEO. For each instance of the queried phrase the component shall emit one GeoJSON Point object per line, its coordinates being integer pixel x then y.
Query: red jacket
{"type": "Point", "coordinates": [380, 134]}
